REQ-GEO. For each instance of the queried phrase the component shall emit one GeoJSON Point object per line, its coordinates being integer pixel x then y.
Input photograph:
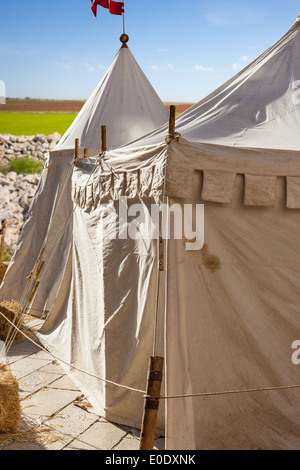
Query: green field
{"type": "Point", "coordinates": [35, 123]}
{"type": "Point", "coordinates": [31, 117]}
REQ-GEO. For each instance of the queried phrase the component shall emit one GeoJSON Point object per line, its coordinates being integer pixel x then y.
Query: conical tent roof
{"type": "Point", "coordinates": [124, 101]}
{"type": "Point", "coordinates": [258, 107]}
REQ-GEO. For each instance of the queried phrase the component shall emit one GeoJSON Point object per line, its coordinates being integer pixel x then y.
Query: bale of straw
{"type": "Point", "coordinates": [3, 268]}
{"type": "Point", "coordinates": [10, 407]}
{"type": "Point", "coordinates": [13, 312]}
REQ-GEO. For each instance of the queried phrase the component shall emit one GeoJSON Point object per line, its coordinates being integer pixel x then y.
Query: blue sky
{"type": "Point", "coordinates": [187, 48]}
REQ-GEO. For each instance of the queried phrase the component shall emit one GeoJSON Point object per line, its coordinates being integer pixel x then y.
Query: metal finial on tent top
{"type": "Point", "coordinates": [124, 38]}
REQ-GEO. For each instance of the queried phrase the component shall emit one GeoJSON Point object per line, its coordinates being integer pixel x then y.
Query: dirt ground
{"type": "Point", "coordinates": [42, 106]}
{"type": "Point", "coordinates": [53, 106]}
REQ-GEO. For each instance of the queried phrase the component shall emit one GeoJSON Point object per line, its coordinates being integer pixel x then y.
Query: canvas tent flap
{"type": "Point", "coordinates": [260, 190]}
{"type": "Point", "coordinates": [221, 164]}
{"type": "Point", "coordinates": [104, 323]}
{"type": "Point", "coordinates": [170, 169]}
{"type": "Point", "coordinates": [141, 174]}
{"type": "Point", "coordinates": [218, 186]}
{"type": "Point", "coordinates": [293, 192]}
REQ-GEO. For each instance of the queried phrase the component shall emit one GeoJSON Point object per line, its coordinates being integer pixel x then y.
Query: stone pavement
{"type": "Point", "coordinates": [50, 399]}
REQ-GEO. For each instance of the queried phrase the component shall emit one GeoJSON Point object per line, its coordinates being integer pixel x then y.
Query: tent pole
{"type": "Point", "coordinates": [103, 138]}
{"type": "Point", "coordinates": [151, 402]}
{"type": "Point", "coordinates": [124, 17]}
{"type": "Point", "coordinates": [76, 148]}
{"type": "Point", "coordinates": [172, 120]}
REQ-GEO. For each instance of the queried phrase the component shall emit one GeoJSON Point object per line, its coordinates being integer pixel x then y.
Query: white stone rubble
{"type": "Point", "coordinates": [17, 190]}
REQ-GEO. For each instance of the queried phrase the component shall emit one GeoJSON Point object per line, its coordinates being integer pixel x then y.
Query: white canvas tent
{"type": "Point", "coordinates": [127, 104]}
{"type": "Point", "coordinates": [224, 317]}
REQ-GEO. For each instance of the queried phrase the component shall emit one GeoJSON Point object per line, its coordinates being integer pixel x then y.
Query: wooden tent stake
{"type": "Point", "coordinates": [4, 227]}
{"type": "Point", "coordinates": [172, 120]}
{"type": "Point", "coordinates": [86, 153]}
{"type": "Point", "coordinates": [33, 272]}
{"type": "Point", "coordinates": [37, 285]}
{"type": "Point", "coordinates": [103, 138]}
{"type": "Point", "coordinates": [151, 403]}
{"type": "Point", "coordinates": [76, 148]}
{"type": "Point", "coordinates": [40, 270]}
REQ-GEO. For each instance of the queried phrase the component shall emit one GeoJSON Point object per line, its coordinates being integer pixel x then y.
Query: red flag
{"type": "Point", "coordinates": [102, 3]}
{"type": "Point", "coordinates": [115, 8]}
{"type": "Point", "coordinates": [94, 8]}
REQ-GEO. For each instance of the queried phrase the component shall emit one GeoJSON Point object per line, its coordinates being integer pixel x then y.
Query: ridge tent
{"type": "Point", "coordinates": [126, 102]}
{"type": "Point", "coordinates": [224, 316]}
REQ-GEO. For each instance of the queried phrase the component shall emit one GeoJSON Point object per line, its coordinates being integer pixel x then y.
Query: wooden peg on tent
{"type": "Point", "coordinates": [86, 153]}
{"type": "Point", "coordinates": [76, 148]}
{"type": "Point", "coordinates": [151, 403]}
{"type": "Point", "coordinates": [172, 120]}
{"type": "Point", "coordinates": [103, 138]}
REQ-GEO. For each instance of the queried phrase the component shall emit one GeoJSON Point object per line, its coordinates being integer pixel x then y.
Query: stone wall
{"type": "Point", "coordinates": [17, 190]}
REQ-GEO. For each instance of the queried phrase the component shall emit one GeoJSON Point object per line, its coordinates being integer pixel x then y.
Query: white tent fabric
{"type": "Point", "coordinates": [127, 104]}
{"type": "Point", "coordinates": [224, 317]}
{"type": "Point", "coordinates": [258, 107]}
{"type": "Point", "coordinates": [124, 101]}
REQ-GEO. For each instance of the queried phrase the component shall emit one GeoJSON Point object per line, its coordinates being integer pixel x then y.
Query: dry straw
{"type": "Point", "coordinates": [30, 432]}
{"type": "Point", "coordinates": [13, 312]}
{"type": "Point", "coordinates": [10, 408]}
